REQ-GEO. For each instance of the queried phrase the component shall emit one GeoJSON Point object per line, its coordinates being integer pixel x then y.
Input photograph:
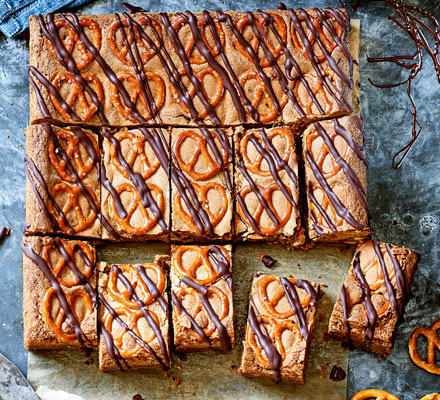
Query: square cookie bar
{"type": "Point", "coordinates": [201, 289]}
{"type": "Point", "coordinates": [202, 184]}
{"type": "Point", "coordinates": [279, 329]}
{"type": "Point", "coordinates": [336, 180]}
{"type": "Point", "coordinates": [373, 295]}
{"type": "Point", "coordinates": [59, 297]}
{"type": "Point", "coordinates": [62, 187]}
{"type": "Point", "coordinates": [133, 315]}
{"type": "Point", "coordinates": [267, 188]}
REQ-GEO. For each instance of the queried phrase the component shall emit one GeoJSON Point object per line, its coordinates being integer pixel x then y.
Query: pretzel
{"type": "Point", "coordinates": [123, 296]}
{"type": "Point", "coordinates": [275, 330]}
{"type": "Point", "coordinates": [202, 262]}
{"type": "Point", "coordinates": [134, 205]}
{"type": "Point", "coordinates": [57, 264]}
{"type": "Point", "coordinates": [76, 93]}
{"type": "Point", "coordinates": [209, 328]}
{"type": "Point", "coordinates": [262, 26]}
{"type": "Point", "coordinates": [200, 150]}
{"type": "Point", "coordinates": [82, 167]}
{"type": "Point", "coordinates": [136, 152]}
{"type": "Point", "coordinates": [57, 324]}
{"type": "Point", "coordinates": [255, 165]}
{"type": "Point", "coordinates": [202, 195]}
{"type": "Point", "coordinates": [270, 304]}
{"type": "Point", "coordinates": [191, 91]}
{"type": "Point", "coordinates": [324, 153]}
{"type": "Point", "coordinates": [374, 394]}
{"type": "Point", "coordinates": [72, 204]}
{"type": "Point", "coordinates": [432, 396]}
{"type": "Point", "coordinates": [146, 52]}
{"type": "Point", "coordinates": [71, 40]}
{"type": "Point", "coordinates": [135, 94]}
{"type": "Point", "coordinates": [131, 318]}
{"type": "Point", "coordinates": [317, 88]}
{"type": "Point", "coordinates": [267, 193]}
{"type": "Point", "coordinates": [328, 42]}
{"type": "Point", "coordinates": [433, 343]}
{"type": "Point", "coordinates": [202, 24]}
{"type": "Point", "coordinates": [262, 96]}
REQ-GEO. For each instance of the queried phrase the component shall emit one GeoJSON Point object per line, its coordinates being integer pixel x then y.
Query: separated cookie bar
{"type": "Point", "coordinates": [267, 189]}
{"type": "Point", "coordinates": [133, 316]}
{"type": "Point", "coordinates": [201, 289]}
{"type": "Point", "coordinates": [279, 329]}
{"type": "Point", "coordinates": [373, 295]}
{"type": "Point", "coordinates": [336, 181]}
{"type": "Point", "coordinates": [62, 187]}
{"type": "Point", "coordinates": [202, 184]}
{"type": "Point", "coordinates": [135, 186]}
{"type": "Point", "coordinates": [59, 298]}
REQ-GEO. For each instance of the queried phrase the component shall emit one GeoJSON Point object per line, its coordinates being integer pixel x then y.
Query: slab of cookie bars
{"type": "Point", "coordinates": [336, 181]}
{"type": "Point", "coordinates": [62, 187]}
{"type": "Point", "coordinates": [267, 186]}
{"type": "Point", "coordinates": [133, 315]}
{"type": "Point", "coordinates": [279, 329]}
{"type": "Point", "coordinates": [373, 295]}
{"type": "Point", "coordinates": [59, 298]}
{"type": "Point", "coordinates": [201, 289]}
{"type": "Point", "coordinates": [202, 184]}
{"type": "Point", "coordinates": [135, 185]}
{"type": "Point", "coordinates": [289, 66]}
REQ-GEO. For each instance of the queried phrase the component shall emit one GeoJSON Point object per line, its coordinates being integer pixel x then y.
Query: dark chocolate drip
{"type": "Point", "coordinates": [337, 374]}
{"type": "Point", "coordinates": [346, 313]}
{"type": "Point", "coordinates": [61, 296]}
{"type": "Point", "coordinates": [390, 288]}
{"type": "Point", "coordinates": [321, 210]}
{"type": "Point", "coordinates": [268, 261]}
{"type": "Point", "coordinates": [152, 288]}
{"type": "Point", "coordinates": [400, 277]}
{"type": "Point", "coordinates": [4, 231]}
{"type": "Point", "coordinates": [112, 350]}
{"type": "Point", "coordinates": [365, 292]}
{"type": "Point", "coordinates": [272, 354]}
{"type": "Point", "coordinates": [225, 340]}
{"type": "Point", "coordinates": [194, 325]}
{"type": "Point", "coordinates": [342, 211]}
{"type": "Point", "coordinates": [131, 8]}
{"type": "Point", "coordinates": [222, 263]}
{"type": "Point", "coordinates": [295, 302]}
{"type": "Point", "coordinates": [150, 320]}
{"type": "Point", "coordinates": [350, 174]}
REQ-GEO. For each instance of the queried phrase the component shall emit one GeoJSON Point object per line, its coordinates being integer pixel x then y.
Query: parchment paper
{"type": "Point", "coordinates": [210, 374]}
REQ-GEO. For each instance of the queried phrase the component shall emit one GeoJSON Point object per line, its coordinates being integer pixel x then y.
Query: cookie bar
{"type": "Point", "coordinates": [373, 295]}
{"type": "Point", "coordinates": [135, 187]}
{"type": "Point", "coordinates": [336, 181]}
{"type": "Point", "coordinates": [202, 184]}
{"type": "Point", "coordinates": [201, 289]}
{"type": "Point", "coordinates": [133, 316]}
{"type": "Point", "coordinates": [62, 187]}
{"type": "Point", "coordinates": [267, 189]}
{"type": "Point", "coordinates": [59, 297]}
{"type": "Point", "coordinates": [279, 329]}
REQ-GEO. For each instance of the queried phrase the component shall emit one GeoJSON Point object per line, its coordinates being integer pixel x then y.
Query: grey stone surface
{"type": "Point", "coordinates": [406, 213]}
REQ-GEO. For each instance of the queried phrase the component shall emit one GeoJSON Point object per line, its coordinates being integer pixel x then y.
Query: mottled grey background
{"type": "Point", "coordinates": [404, 203]}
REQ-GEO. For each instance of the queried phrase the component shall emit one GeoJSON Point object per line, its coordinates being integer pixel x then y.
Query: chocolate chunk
{"type": "Point", "coordinates": [268, 261]}
{"type": "Point", "coordinates": [337, 374]}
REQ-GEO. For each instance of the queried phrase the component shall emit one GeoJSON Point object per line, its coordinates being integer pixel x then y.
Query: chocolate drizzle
{"type": "Point", "coordinates": [222, 263]}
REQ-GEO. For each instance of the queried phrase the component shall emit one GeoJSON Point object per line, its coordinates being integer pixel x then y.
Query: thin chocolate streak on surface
{"type": "Point", "coordinates": [348, 170]}
{"type": "Point", "coordinates": [150, 320]}
{"type": "Point", "coordinates": [225, 340]}
{"type": "Point", "coordinates": [127, 329]}
{"type": "Point", "coordinates": [61, 296]}
{"type": "Point", "coordinates": [152, 288]}
{"type": "Point", "coordinates": [342, 211]}
{"type": "Point", "coordinates": [345, 310]}
{"type": "Point", "coordinates": [112, 350]}
{"type": "Point", "coordinates": [222, 263]}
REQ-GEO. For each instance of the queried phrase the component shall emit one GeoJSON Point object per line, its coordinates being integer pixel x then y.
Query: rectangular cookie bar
{"type": "Point", "coordinates": [336, 180]}
{"type": "Point", "coordinates": [279, 330]}
{"type": "Point", "coordinates": [133, 315]}
{"type": "Point", "coordinates": [62, 187]}
{"type": "Point", "coordinates": [373, 295]}
{"type": "Point", "coordinates": [59, 297]}
{"type": "Point", "coordinates": [201, 290]}
{"type": "Point", "coordinates": [202, 184]}
{"type": "Point", "coordinates": [135, 186]}
{"type": "Point", "coordinates": [267, 188]}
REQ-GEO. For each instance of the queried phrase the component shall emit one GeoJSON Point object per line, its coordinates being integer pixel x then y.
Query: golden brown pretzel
{"type": "Point", "coordinates": [433, 343]}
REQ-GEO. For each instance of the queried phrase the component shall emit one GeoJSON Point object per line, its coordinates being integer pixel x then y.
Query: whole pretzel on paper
{"type": "Point", "coordinates": [375, 394]}
{"type": "Point", "coordinates": [433, 344]}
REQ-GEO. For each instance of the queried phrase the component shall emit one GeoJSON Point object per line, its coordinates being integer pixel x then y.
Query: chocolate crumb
{"type": "Point", "coordinates": [337, 374]}
{"type": "Point", "coordinates": [182, 357]}
{"type": "Point", "coordinates": [4, 231]}
{"type": "Point", "coordinates": [137, 397]}
{"type": "Point", "coordinates": [177, 381]}
{"type": "Point", "coordinates": [322, 377]}
{"type": "Point", "coordinates": [321, 317]}
{"type": "Point", "coordinates": [267, 260]}
{"type": "Point", "coordinates": [232, 368]}
{"type": "Point", "coordinates": [89, 361]}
